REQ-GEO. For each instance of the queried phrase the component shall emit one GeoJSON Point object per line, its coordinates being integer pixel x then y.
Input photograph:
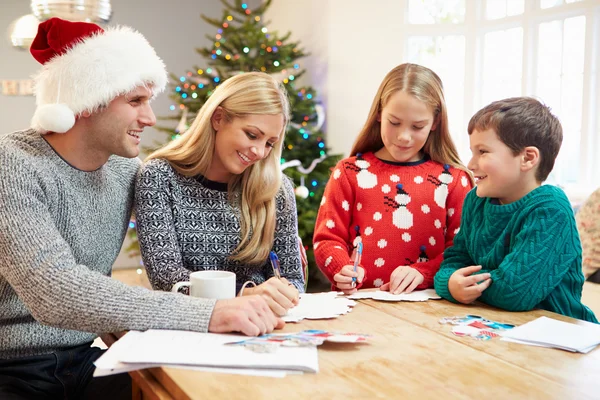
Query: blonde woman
{"type": "Point", "coordinates": [215, 198]}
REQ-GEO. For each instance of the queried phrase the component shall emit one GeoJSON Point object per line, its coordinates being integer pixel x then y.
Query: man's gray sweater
{"type": "Point", "coordinates": [61, 229]}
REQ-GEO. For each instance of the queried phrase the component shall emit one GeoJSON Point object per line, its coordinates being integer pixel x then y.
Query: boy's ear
{"type": "Point", "coordinates": [217, 119]}
{"type": "Point", "coordinates": [530, 158]}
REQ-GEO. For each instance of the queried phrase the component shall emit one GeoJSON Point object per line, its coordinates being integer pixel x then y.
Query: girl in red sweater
{"type": "Point", "coordinates": [400, 192]}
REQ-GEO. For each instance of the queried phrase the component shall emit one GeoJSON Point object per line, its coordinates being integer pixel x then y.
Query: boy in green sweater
{"type": "Point", "coordinates": [518, 246]}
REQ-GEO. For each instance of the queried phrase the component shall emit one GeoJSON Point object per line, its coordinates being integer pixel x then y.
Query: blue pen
{"type": "Point", "coordinates": [357, 256]}
{"type": "Point", "coordinates": [275, 264]}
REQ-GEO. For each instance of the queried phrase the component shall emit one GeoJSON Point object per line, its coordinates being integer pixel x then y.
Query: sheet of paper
{"type": "Point", "coordinates": [270, 373]}
{"type": "Point", "coordinates": [554, 333]}
{"type": "Point", "coordinates": [109, 364]}
{"type": "Point", "coordinates": [420, 295]}
{"type": "Point", "coordinates": [168, 347]}
{"type": "Point", "coordinates": [319, 306]}
{"type": "Point", "coordinates": [587, 350]}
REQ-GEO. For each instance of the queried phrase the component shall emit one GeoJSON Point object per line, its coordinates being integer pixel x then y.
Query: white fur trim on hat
{"type": "Point", "coordinates": [92, 73]}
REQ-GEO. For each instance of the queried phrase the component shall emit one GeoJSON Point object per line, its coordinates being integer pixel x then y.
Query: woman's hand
{"type": "Point", "coordinates": [280, 294]}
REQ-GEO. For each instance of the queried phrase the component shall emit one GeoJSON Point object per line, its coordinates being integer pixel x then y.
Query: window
{"type": "Point", "coordinates": [446, 56]}
{"type": "Point", "coordinates": [492, 49]}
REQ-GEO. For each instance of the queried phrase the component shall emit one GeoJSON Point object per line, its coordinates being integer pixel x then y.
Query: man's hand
{"type": "Point", "coordinates": [466, 287]}
{"type": "Point", "coordinates": [280, 294]}
{"type": "Point", "coordinates": [404, 279]}
{"type": "Point", "coordinates": [249, 315]}
{"type": "Point", "coordinates": [343, 279]}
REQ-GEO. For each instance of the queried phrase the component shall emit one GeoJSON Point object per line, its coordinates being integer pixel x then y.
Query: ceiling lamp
{"type": "Point", "coordinates": [97, 11]}
{"type": "Point", "coordinates": [22, 31]}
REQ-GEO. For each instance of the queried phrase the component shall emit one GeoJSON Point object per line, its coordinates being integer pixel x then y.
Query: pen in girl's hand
{"type": "Point", "coordinates": [359, 250]}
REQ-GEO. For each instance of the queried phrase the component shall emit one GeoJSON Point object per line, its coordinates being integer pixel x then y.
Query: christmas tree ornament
{"type": "Point", "coordinates": [320, 110]}
{"type": "Point", "coordinates": [300, 168]}
{"type": "Point", "coordinates": [302, 191]}
{"type": "Point", "coordinates": [182, 126]}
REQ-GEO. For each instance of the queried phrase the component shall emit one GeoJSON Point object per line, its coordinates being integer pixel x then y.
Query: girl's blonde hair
{"type": "Point", "coordinates": [426, 86]}
{"type": "Point", "coordinates": [254, 190]}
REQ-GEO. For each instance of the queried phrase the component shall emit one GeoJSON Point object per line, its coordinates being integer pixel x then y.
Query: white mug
{"type": "Point", "coordinates": [210, 284]}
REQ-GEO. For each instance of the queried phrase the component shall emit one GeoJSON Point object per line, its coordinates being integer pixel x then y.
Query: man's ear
{"type": "Point", "coordinates": [85, 114]}
{"type": "Point", "coordinates": [217, 119]}
{"type": "Point", "coordinates": [530, 158]}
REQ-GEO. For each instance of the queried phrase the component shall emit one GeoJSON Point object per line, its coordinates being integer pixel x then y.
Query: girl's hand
{"type": "Point", "coordinates": [466, 287]}
{"type": "Point", "coordinates": [403, 280]}
{"type": "Point", "coordinates": [343, 279]}
{"type": "Point", "coordinates": [280, 294]}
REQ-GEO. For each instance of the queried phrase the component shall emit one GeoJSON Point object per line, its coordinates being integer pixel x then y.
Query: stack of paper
{"type": "Point", "coordinates": [548, 332]}
{"type": "Point", "coordinates": [420, 295]}
{"type": "Point", "coordinates": [319, 306]}
{"type": "Point", "coordinates": [137, 350]}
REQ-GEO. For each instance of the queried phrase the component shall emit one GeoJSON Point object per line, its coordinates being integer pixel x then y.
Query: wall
{"type": "Point", "coordinates": [352, 48]}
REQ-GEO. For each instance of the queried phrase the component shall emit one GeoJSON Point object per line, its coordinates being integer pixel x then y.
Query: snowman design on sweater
{"type": "Point", "coordinates": [402, 218]}
{"type": "Point", "coordinates": [422, 257]}
{"type": "Point", "coordinates": [364, 178]}
{"type": "Point", "coordinates": [442, 182]}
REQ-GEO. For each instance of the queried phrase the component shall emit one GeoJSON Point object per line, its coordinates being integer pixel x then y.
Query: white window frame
{"type": "Point", "coordinates": [474, 29]}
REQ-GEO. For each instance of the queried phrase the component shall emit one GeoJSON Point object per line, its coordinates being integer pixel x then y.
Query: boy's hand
{"type": "Point", "coordinates": [403, 280]}
{"type": "Point", "coordinates": [343, 279]}
{"type": "Point", "coordinates": [466, 287]}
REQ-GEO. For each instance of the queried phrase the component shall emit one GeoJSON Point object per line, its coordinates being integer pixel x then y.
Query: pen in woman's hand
{"type": "Point", "coordinates": [275, 264]}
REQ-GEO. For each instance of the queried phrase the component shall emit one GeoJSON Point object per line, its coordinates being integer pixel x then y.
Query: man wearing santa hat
{"type": "Point", "coordinates": [66, 189]}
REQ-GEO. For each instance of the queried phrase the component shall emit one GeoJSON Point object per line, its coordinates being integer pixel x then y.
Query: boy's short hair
{"type": "Point", "coordinates": [520, 122]}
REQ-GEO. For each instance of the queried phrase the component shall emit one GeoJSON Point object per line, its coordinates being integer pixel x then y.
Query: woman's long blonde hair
{"type": "Point", "coordinates": [192, 153]}
{"type": "Point", "coordinates": [426, 86]}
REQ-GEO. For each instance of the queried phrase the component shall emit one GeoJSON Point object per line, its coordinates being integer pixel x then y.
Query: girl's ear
{"type": "Point", "coordinates": [530, 158]}
{"type": "Point", "coordinates": [217, 119]}
{"type": "Point", "coordinates": [379, 116]}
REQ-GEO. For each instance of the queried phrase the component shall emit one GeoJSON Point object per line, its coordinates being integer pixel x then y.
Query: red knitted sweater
{"type": "Point", "coordinates": [404, 213]}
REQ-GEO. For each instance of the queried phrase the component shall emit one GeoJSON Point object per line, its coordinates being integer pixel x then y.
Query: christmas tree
{"type": "Point", "coordinates": [243, 43]}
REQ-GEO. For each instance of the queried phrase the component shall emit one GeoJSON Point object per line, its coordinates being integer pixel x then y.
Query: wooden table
{"type": "Point", "coordinates": [410, 355]}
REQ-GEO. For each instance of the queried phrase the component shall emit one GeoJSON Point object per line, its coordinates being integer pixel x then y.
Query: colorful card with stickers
{"type": "Point", "coordinates": [314, 337]}
{"type": "Point", "coordinates": [476, 327]}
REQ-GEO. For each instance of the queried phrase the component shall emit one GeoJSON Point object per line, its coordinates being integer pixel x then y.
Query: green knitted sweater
{"type": "Point", "coordinates": [530, 247]}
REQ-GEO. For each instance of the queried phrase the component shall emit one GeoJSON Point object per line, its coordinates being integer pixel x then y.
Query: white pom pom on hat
{"type": "Point", "coordinates": [86, 67]}
{"type": "Point", "coordinates": [56, 117]}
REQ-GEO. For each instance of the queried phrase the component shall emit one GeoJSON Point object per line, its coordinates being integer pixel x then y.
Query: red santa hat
{"type": "Point", "coordinates": [85, 67]}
